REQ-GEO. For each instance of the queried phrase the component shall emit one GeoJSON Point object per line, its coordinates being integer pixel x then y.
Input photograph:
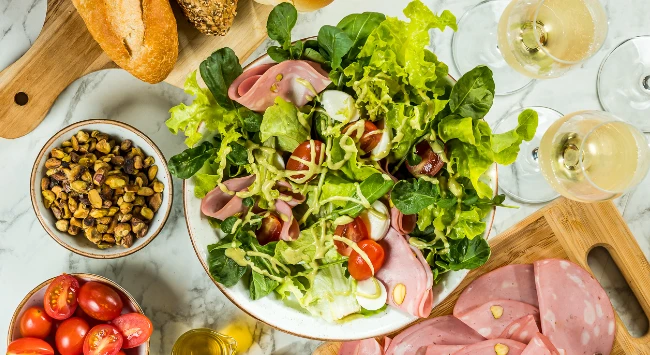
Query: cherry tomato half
{"type": "Point", "coordinates": [431, 162]}
{"type": "Point", "coordinates": [358, 267]}
{"type": "Point", "coordinates": [103, 339]}
{"type": "Point", "coordinates": [121, 352]}
{"type": "Point", "coordinates": [70, 336]}
{"type": "Point", "coordinates": [270, 229]}
{"type": "Point", "coordinates": [356, 231]}
{"type": "Point", "coordinates": [100, 301]}
{"type": "Point", "coordinates": [370, 137]}
{"type": "Point", "coordinates": [60, 299]}
{"type": "Point", "coordinates": [135, 329]}
{"type": "Point", "coordinates": [303, 151]}
{"type": "Point", "coordinates": [35, 323]}
{"type": "Point", "coordinates": [29, 346]}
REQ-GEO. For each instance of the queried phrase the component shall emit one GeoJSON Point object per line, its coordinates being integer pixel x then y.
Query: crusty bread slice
{"type": "Point", "coordinates": [138, 35]}
{"type": "Point", "coordinates": [212, 17]}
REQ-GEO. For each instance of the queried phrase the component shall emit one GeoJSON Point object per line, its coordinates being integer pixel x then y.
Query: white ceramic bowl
{"type": "Point", "coordinates": [35, 299]}
{"type": "Point", "coordinates": [79, 244]}
{"type": "Point", "coordinates": [272, 311]}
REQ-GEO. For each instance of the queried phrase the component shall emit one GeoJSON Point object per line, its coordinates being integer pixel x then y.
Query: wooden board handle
{"type": "Point", "coordinates": [566, 219]}
{"type": "Point", "coordinates": [63, 52]}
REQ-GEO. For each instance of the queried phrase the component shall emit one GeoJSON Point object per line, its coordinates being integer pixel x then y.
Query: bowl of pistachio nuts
{"type": "Point", "coordinates": [101, 189]}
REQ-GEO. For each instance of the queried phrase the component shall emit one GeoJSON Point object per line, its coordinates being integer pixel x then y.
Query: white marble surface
{"type": "Point", "coordinates": [165, 277]}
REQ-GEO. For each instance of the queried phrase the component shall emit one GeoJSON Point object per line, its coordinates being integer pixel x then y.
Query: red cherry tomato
{"type": "Point", "coordinates": [431, 162]}
{"type": "Point", "coordinates": [370, 137]}
{"type": "Point", "coordinates": [103, 339]}
{"type": "Point", "coordinates": [100, 301]}
{"type": "Point", "coordinates": [70, 336]}
{"type": "Point", "coordinates": [355, 231]}
{"type": "Point", "coordinates": [60, 299]}
{"type": "Point", "coordinates": [35, 323]}
{"type": "Point", "coordinates": [270, 229]}
{"type": "Point", "coordinates": [135, 328]}
{"type": "Point", "coordinates": [29, 346]}
{"type": "Point", "coordinates": [358, 267]}
{"type": "Point", "coordinates": [303, 151]}
{"type": "Point", "coordinates": [90, 320]}
{"type": "Point", "coordinates": [121, 352]}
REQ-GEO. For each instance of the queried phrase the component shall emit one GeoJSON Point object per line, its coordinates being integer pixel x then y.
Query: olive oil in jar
{"type": "Point", "coordinates": [204, 342]}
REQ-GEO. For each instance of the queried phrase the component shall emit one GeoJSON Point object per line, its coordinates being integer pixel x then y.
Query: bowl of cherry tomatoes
{"type": "Point", "coordinates": [79, 314]}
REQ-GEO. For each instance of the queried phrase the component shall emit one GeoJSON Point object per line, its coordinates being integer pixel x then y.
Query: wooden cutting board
{"type": "Point", "coordinates": [568, 230]}
{"type": "Point", "coordinates": [65, 51]}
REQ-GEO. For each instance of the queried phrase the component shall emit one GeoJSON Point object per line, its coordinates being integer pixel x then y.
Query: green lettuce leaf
{"type": "Point", "coordinates": [281, 121]}
{"type": "Point", "coordinates": [506, 145]}
{"type": "Point", "coordinates": [473, 94]}
{"type": "Point", "coordinates": [331, 295]}
{"type": "Point", "coordinates": [358, 27]}
{"type": "Point", "coordinates": [412, 196]}
{"type": "Point", "coordinates": [409, 123]}
{"type": "Point", "coordinates": [337, 186]}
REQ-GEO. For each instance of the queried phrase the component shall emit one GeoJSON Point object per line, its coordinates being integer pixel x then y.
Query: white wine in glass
{"type": "Point", "coordinates": [591, 156]}
{"type": "Point", "coordinates": [544, 39]}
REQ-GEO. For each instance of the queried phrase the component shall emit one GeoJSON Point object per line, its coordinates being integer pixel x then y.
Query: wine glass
{"type": "Point", "coordinates": [624, 80]}
{"type": "Point", "coordinates": [522, 40]}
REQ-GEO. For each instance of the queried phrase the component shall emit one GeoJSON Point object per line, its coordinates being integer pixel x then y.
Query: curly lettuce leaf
{"type": "Point", "coordinates": [410, 123]}
{"type": "Point", "coordinates": [281, 121]}
{"type": "Point", "coordinates": [336, 186]}
{"type": "Point", "coordinates": [506, 145]}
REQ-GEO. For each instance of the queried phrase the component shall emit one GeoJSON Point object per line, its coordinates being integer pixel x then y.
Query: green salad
{"type": "Point", "coordinates": [307, 166]}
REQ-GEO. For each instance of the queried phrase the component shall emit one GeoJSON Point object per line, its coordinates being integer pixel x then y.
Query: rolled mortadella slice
{"type": "Point", "coordinates": [447, 330]}
{"type": "Point", "coordinates": [361, 347]}
{"type": "Point", "coordinates": [575, 312]}
{"type": "Point", "coordinates": [493, 347]}
{"type": "Point", "coordinates": [439, 349]}
{"type": "Point", "coordinates": [522, 330]}
{"type": "Point", "coordinates": [512, 282]}
{"type": "Point", "coordinates": [540, 345]}
{"type": "Point", "coordinates": [492, 318]}
{"type": "Point", "coordinates": [295, 81]}
{"type": "Point", "coordinates": [290, 228]}
{"type": "Point", "coordinates": [406, 275]}
{"type": "Point", "coordinates": [222, 204]}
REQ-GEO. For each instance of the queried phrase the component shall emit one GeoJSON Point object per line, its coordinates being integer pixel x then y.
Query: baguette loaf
{"type": "Point", "coordinates": [138, 35]}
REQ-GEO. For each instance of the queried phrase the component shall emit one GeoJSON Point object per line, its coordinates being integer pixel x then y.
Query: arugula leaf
{"type": "Point", "coordinates": [281, 21]}
{"type": "Point", "coordinates": [335, 42]}
{"type": "Point", "coordinates": [261, 286]}
{"type": "Point", "coordinates": [314, 55]}
{"type": "Point", "coordinates": [358, 27]}
{"type": "Point", "coordinates": [189, 161]}
{"type": "Point", "coordinates": [468, 254]}
{"type": "Point", "coordinates": [412, 196]}
{"type": "Point", "coordinates": [296, 49]}
{"type": "Point", "coordinates": [281, 121]}
{"type": "Point", "coordinates": [473, 94]}
{"type": "Point", "coordinates": [372, 188]}
{"type": "Point", "coordinates": [506, 145]}
{"type": "Point", "coordinates": [278, 54]}
{"type": "Point", "coordinates": [223, 269]}
{"type": "Point", "coordinates": [218, 71]}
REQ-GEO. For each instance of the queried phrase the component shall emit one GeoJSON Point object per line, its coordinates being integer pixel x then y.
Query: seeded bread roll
{"type": "Point", "coordinates": [212, 17]}
{"type": "Point", "coordinates": [139, 35]}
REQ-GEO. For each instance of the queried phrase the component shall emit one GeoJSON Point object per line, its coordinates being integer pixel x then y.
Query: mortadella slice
{"type": "Point", "coordinates": [576, 314]}
{"type": "Point", "coordinates": [290, 228]}
{"type": "Point", "coordinates": [286, 190]}
{"type": "Point", "coordinates": [447, 330]}
{"type": "Point", "coordinates": [492, 318]}
{"type": "Point", "coordinates": [522, 330]}
{"type": "Point", "coordinates": [540, 345]}
{"type": "Point", "coordinates": [406, 269]}
{"type": "Point", "coordinates": [512, 282]}
{"type": "Point", "coordinates": [439, 349]}
{"type": "Point", "coordinates": [292, 80]}
{"type": "Point", "coordinates": [221, 204]}
{"type": "Point", "coordinates": [489, 347]}
{"type": "Point", "coordinates": [361, 347]}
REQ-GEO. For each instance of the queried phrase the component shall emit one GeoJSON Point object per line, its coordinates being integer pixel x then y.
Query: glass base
{"type": "Point", "coordinates": [523, 180]}
{"type": "Point", "coordinates": [475, 43]}
{"type": "Point", "coordinates": [624, 82]}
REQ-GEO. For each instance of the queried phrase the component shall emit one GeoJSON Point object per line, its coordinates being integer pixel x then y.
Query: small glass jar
{"type": "Point", "coordinates": [204, 341]}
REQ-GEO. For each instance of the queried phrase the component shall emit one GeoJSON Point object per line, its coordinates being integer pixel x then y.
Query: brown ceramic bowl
{"type": "Point", "coordinates": [35, 299]}
{"type": "Point", "coordinates": [79, 244]}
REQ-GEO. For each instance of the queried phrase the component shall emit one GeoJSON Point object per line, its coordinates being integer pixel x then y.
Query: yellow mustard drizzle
{"type": "Point", "coordinates": [374, 296]}
{"type": "Point", "coordinates": [308, 85]}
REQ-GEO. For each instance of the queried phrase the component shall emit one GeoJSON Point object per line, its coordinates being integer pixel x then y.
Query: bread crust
{"type": "Point", "coordinates": [153, 56]}
{"type": "Point", "coordinates": [211, 17]}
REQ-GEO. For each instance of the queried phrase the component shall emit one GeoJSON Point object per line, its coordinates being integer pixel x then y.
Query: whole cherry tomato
{"type": "Point", "coordinates": [370, 137]}
{"type": "Point", "coordinates": [29, 346]}
{"type": "Point", "coordinates": [103, 339]}
{"type": "Point", "coordinates": [270, 229]}
{"type": "Point", "coordinates": [431, 162]}
{"type": "Point", "coordinates": [358, 267]}
{"type": "Point", "coordinates": [304, 152]}
{"type": "Point", "coordinates": [60, 300]}
{"type": "Point", "coordinates": [35, 323]}
{"type": "Point", "coordinates": [70, 336]}
{"type": "Point", "coordinates": [355, 231]}
{"type": "Point", "coordinates": [135, 328]}
{"type": "Point", "coordinates": [100, 301]}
